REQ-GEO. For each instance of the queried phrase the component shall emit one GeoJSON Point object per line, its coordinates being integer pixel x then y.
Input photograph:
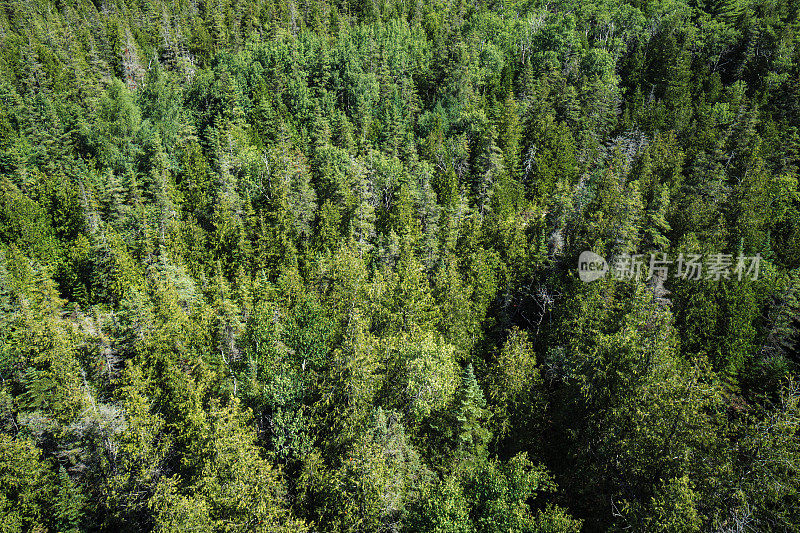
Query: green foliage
{"type": "Point", "coordinates": [674, 508]}
{"type": "Point", "coordinates": [468, 429]}
{"type": "Point", "coordinates": [490, 496]}
{"type": "Point", "coordinates": [24, 498]}
{"type": "Point", "coordinates": [283, 266]}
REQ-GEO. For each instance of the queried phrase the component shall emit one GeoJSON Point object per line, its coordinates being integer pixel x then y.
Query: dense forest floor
{"type": "Point", "coordinates": [314, 266]}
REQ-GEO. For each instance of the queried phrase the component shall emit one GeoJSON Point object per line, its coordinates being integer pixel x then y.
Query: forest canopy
{"type": "Point", "coordinates": [312, 265]}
